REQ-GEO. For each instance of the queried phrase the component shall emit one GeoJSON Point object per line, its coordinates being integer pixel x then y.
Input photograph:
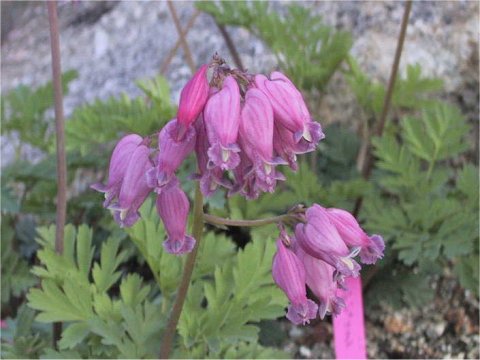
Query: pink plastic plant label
{"type": "Point", "coordinates": [349, 326]}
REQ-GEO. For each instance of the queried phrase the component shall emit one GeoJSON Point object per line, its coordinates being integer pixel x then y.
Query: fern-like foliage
{"type": "Point", "coordinates": [223, 310]}
{"type": "Point", "coordinates": [24, 112]}
{"type": "Point", "coordinates": [412, 91]}
{"type": "Point", "coordinates": [16, 277]}
{"type": "Point", "coordinates": [428, 210]}
{"type": "Point", "coordinates": [305, 48]}
{"type": "Point", "coordinates": [75, 289]}
{"type": "Point", "coordinates": [18, 341]}
{"type": "Point", "coordinates": [112, 118]}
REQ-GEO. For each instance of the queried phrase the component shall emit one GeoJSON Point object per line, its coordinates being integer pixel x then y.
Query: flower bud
{"type": "Point", "coordinates": [118, 165]}
{"type": "Point", "coordinates": [319, 238]}
{"type": "Point", "coordinates": [173, 207]}
{"type": "Point", "coordinates": [192, 100]}
{"type": "Point", "coordinates": [371, 247]}
{"type": "Point", "coordinates": [171, 154]}
{"type": "Point", "coordinates": [289, 274]}
{"type": "Point", "coordinates": [222, 119]}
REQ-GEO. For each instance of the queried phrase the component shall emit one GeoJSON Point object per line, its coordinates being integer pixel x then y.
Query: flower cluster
{"type": "Point", "coordinates": [321, 255]}
{"type": "Point", "coordinates": [240, 126]}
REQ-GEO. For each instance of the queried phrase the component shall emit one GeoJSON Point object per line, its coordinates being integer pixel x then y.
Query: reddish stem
{"type": "Point", "coordinates": [60, 139]}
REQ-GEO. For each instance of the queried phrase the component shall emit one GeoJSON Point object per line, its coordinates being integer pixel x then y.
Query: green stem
{"type": "Point", "coordinates": [216, 220]}
{"type": "Point", "coordinates": [432, 164]}
{"type": "Point", "coordinates": [171, 329]}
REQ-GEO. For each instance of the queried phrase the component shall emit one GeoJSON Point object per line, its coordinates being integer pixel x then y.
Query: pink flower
{"type": "Point", "coordinates": [289, 274]}
{"type": "Point", "coordinates": [371, 247]}
{"type": "Point", "coordinates": [171, 154]}
{"type": "Point", "coordinates": [222, 120]}
{"type": "Point", "coordinates": [173, 208]}
{"type": "Point", "coordinates": [134, 189]}
{"type": "Point", "coordinates": [192, 100]}
{"type": "Point", "coordinates": [319, 238]}
{"type": "Point", "coordinates": [210, 179]}
{"type": "Point", "coordinates": [289, 108]}
{"type": "Point", "coordinates": [320, 279]}
{"type": "Point", "coordinates": [256, 139]}
{"type": "Point", "coordinates": [118, 165]}
{"type": "Point", "coordinates": [245, 179]}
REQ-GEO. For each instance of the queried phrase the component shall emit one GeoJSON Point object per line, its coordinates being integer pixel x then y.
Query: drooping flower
{"type": "Point", "coordinates": [222, 119]}
{"type": "Point", "coordinates": [319, 238]}
{"type": "Point", "coordinates": [289, 108]}
{"type": "Point", "coordinates": [192, 100]}
{"type": "Point", "coordinates": [256, 139]}
{"type": "Point", "coordinates": [171, 154]}
{"type": "Point", "coordinates": [371, 247]}
{"type": "Point", "coordinates": [118, 165]}
{"type": "Point", "coordinates": [210, 179]}
{"type": "Point", "coordinates": [289, 274]}
{"type": "Point", "coordinates": [244, 179]}
{"type": "Point", "coordinates": [285, 146]}
{"type": "Point", "coordinates": [134, 189]}
{"type": "Point", "coordinates": [320, 279]}
{"type": "Point", "coordinates": [173, 207]}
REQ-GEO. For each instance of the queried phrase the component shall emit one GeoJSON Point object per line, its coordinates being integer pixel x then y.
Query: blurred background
{"type": "Point", "coordinates": [123, 71]}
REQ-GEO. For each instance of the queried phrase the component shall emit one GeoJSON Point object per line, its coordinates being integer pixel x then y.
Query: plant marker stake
{"type": "Point", "coordinates": [349, 326]}
{"type": "Point", "coordinates": [60, 139]}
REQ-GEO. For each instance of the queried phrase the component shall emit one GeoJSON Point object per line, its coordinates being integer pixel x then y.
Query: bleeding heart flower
{"type": "Point", "coordinates": [173, 208]}
{"type": "Point", "coordinates": [222, 120]}
{"type": "Point", "coordinates": [289, 274]}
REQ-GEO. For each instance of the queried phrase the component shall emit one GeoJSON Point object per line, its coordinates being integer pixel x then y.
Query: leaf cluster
{"type": "Point", "coordinates": [308, 50]}
{"type": "Point", "coordinates": [24, 112]}
{"type": "Point", "coordinates": [221, 311]}
{"type": "Point", "coordinates": [77, 290]}
{"type": "Point", "coordinates": [427, 208]}
{"type": "Point", "coordinates": [413, 91]}
{"type": "Point", "coordinates": [110, 119]}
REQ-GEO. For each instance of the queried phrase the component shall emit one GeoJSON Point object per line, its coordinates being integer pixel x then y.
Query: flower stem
{"type": "Point", "coordinates": [60, 140]}
{"type": "Point", "coordinates": [182, 38]}
{"type": "Point", "coordinates": [216, 220]}
{"type": "Point", "coordinates": [197, 232]}
{"type": "Point", "coordinates": [369, 161]}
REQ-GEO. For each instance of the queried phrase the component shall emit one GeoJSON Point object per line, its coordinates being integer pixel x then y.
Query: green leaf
{"type": "Point", "coordinates": [467, 183]}
{"type": "Point", "coordinates": [105, 273]}
{"type": "Point", "coordinates": [438, 135]}
{"type": "Point", "coordinates": [110, 119]}
{"type": "Point", "coordinates": [73, 335]}
{"type": "Point", "coordinates": [240, 294]}
{"type": "Point", "coordinates": [26, 112]}
{"type": "Point", "coordinates": [131, 290]}
{"type": "Point", "coordinates": [84, 249]}
{"type": "Point", "coordinates": [467, 270]}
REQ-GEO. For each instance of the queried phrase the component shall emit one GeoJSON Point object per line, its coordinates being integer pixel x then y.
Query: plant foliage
{"type": "Point", "coordinates": [305, 48]}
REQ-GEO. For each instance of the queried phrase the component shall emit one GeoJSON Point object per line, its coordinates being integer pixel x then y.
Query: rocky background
{"type": "Point", "coordinates": [112, 44]}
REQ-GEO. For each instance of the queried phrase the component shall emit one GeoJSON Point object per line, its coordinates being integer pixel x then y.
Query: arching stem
{"type": "Point", "coordinates": [216, 220]}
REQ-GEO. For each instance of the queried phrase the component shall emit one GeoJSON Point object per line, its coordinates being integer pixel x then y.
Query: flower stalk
{"type": "Point", "coordinates": [219, 221]}
{"type": "Point", "coordinates": [60, 141]}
